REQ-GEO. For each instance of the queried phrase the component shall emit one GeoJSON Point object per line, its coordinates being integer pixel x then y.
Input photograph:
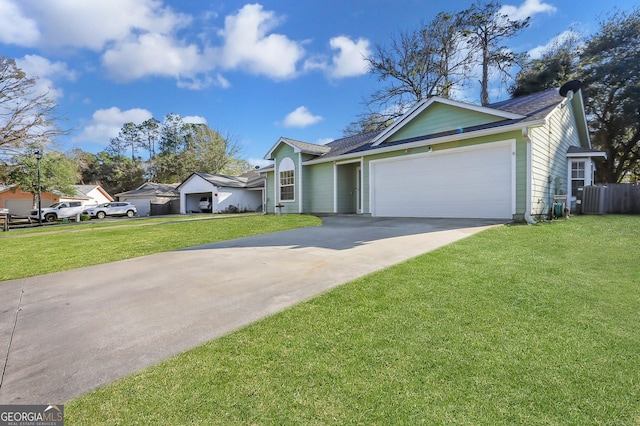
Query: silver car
{"type": "Point", "coordinates": [116, 208]}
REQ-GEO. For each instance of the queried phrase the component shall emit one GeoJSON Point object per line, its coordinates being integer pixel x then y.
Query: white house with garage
{"type": "Point", "coordinates": [221, 193]}
{"type": "Point", "coordinates": [509, 160]}
{"type": "Point", "coordinates": [152, 194]}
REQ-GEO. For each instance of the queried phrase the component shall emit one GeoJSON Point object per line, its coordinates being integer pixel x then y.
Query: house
{"type": "Point", "coordinates": [21, 203]}
{"type": "Point", "coordinates": [227, 193]}
{"type": "Point", "coordinates": [152, 198]}
{"type": "Point", "coordinates": [90, 195]}
{"type": "Point", "coordinates": [443, 158]}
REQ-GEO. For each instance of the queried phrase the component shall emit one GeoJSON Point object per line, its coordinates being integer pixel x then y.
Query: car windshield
{"type": "Point", "coordinates": [54, 205]}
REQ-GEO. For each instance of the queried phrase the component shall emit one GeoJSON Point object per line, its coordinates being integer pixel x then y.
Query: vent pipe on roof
{"type": "Point", "coordinates": [570, 88]}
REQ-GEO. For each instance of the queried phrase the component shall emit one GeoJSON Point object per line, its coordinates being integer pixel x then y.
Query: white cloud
{"type": "Point", "coordinates": [44, 71]}
{"type": "Point", "coordinates": [560, 39]}
{"type": "Point", "coordinates": [106, 124]}
{"type": "Point", "coordinates": [151, 54]}
{"type": "Point", "coordinates": [350, 60]}
{"type": "Point", "coordinates": [94, 24]}
{"type": "Point", "coordinates": [249, 46]}
{"type": "Point", "coordinates": [260, 162]}
{"type": "Point", "coordinates": [527, 9]}
{"type": "Point", "coordinates": [194, 119]}
{"type": "Point", "coordinates": [15, 27]}
{"type": "Point", "coordinates": [301, 117]}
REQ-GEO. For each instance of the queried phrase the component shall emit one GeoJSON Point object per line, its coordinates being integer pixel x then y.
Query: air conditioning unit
{"type": "Point", "coordinates": [594, 200]}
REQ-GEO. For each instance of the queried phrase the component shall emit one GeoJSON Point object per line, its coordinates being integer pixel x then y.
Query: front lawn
{"type": "Point", "coordinates": [43, 250]}
{"type": "Point", "coordinates": [515, 325]}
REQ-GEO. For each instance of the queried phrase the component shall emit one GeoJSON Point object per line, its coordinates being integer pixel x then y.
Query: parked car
{"type": "Point", "coordinates": [62, 210]}
{"type": "Point", "coordinates": [205, 204]}
{"type": "Point", "coordinates": [112, 209]}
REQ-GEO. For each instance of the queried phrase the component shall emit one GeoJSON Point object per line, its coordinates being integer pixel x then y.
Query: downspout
{"type": "Point", "coordinates": [276, 184]}
{"type": "Point", "coordinates": [300, 182]}
{"type": "Point", "coordinates": [527, 209]}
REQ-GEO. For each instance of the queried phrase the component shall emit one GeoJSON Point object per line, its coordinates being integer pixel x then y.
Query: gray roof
{"type": "Point", "coordinates": [579, 151]}
{"type": "Point", "coordinates": [532, 107]}
{"type": "Point", "coordinates": [152, 189]}
{"type": "Point", "coordinates": [309, 148]}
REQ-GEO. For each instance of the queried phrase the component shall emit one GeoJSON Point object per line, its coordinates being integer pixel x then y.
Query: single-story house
{"type": "Point", "coordinates": [164, 197]}
{"type": "Point", "coordinates": [443, 158]}
{"type": "Point", "coordinates": [227, 193]}
{"type": "Point", "coordinates": [90, 195]}
{"type": "Point", "coordinates": [20, 203]}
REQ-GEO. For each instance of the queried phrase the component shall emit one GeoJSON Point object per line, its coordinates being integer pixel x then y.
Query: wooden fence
{"type": "Point", "coordinates": [623, 198]}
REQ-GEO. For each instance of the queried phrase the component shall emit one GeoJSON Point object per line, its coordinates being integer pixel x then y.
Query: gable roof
{"type": "Point", "coordinates": [246, 180]}
{"type": "Point", "coordinates": [86, 189]}
{"type": "Point", "coordinates": [511, 114]}
{"type": "Point", "coordinates": [418, 108]}
{"type": "Point", "coordinates": [298, 146]}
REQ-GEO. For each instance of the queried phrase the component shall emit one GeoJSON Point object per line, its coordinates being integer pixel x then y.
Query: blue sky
{"type": "Point", "coordinates": [253, 71]}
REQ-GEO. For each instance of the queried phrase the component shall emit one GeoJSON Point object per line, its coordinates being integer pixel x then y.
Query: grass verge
{"type": "Point", "coordinates": [516, 325]}
{"type": "Point", "coordinates": [81, 245]}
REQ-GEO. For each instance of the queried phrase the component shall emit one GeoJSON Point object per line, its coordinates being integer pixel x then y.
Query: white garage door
{"type": "Point", "coordinates": [19, 207]}
{"type": "Point", "coordinates": [473, 182]}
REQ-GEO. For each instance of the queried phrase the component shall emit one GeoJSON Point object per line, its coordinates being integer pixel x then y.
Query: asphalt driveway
{"type": "Point", "coordinates": [64, 334]}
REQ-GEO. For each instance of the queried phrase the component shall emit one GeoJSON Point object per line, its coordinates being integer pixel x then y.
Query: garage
{"type": "Point", "coordinates": [469, 182]}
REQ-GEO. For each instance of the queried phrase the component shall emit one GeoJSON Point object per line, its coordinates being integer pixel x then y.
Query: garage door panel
{"type": "Point", "coordinates": [474, 183]}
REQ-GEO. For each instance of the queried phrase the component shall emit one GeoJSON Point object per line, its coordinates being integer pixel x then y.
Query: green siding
{"type": "Point", "coordinates": [549, 167]}
{"type": "Point", "coordinates": [270, 203]}
{"type": "Point", "coordinates": [439, 117]}
{"type": "Point", "coordinates": [318, 188]}
{"type": "Point", "coordinates": [279, 154]}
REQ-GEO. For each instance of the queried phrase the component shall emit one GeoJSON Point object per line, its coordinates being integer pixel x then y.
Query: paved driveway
{"type": "Point", "coordinates": [64, 334]}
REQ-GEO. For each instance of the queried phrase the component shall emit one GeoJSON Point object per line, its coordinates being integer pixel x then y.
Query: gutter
{"type": "Point", "coordinates": [424, 142]}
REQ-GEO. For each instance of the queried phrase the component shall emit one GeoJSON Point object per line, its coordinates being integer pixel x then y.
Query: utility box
{"type": "Point", "coordinates": [594, 200]}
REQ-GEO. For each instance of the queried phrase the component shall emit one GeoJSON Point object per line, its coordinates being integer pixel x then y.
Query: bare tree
{"type": "Point", "coordinates": [27, 118]}
{"type": "Point", "coordinates": [485, 27]}
{"type": "Point", "coordinates": [423, 62]}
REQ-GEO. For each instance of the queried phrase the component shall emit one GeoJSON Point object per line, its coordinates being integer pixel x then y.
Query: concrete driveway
{"type": "Point", "coordinates": [64, 334]}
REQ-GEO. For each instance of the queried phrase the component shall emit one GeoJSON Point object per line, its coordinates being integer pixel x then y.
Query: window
{"type": "Point", "coordinates": [577, 176]}
{"type": "Point", "coordinates": [287, 180]}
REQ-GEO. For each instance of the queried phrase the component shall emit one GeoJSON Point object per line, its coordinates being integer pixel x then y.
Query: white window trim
{"type": "Point", "coordinates": [287, 168]}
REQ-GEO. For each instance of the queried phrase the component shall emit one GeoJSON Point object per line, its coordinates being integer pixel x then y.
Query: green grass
{"type": "Point", "coordinates": [42, 250]}
{"type": "Point", "coordinates": [515, 325]}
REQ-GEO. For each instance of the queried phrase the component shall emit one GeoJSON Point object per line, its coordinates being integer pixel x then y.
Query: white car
{"type": "Point", "coordinates": [116, 208]}
{"type": "Point", "coordinates": [65, 209]}
{"type": "Point", "coordinates": [205, 204]}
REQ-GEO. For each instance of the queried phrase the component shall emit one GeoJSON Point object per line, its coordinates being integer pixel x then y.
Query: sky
{"type": "Point", "coordinates": [252, 71]}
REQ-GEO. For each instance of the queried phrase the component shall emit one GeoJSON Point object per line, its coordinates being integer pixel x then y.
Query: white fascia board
{"type": "Point", "coordinates": [586, 154]}
{"type": "Point", "coordinates": [435, 141]}
{"type": "Point", "coordinates": [269, 154]}
{"type": "Point", "coordinates": [421, 106]}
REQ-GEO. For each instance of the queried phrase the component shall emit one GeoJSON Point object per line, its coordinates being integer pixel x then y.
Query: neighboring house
{"type": "Point", "coordinates": [227, 193]}
{"type": "Point", "coordinates": [153, 194]}
{"type": "Point", "coordinates": [90, 195]}
{"type": "Point", "coordinates": [21, 203]}
{"type": "Point", "coordinates": [443, 158]}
